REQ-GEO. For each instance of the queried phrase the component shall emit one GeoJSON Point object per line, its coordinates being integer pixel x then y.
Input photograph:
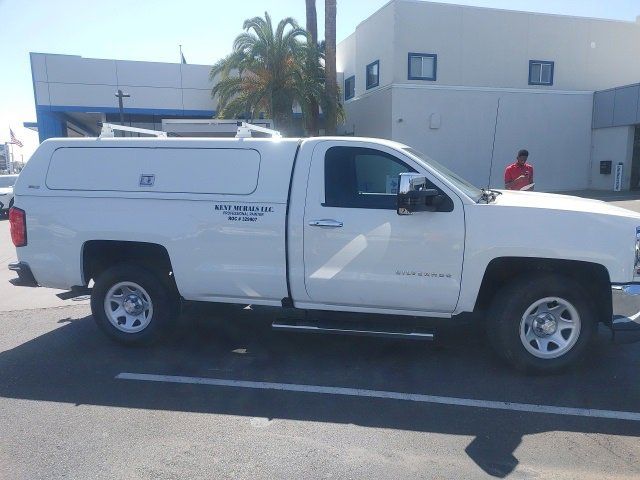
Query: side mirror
{"type": "Point", "coordinates": [414, 196]}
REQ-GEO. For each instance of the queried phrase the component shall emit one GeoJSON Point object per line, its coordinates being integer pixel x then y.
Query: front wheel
{"type": "Point", "coordinates": [132, 305]}
{"type": "Point", "coordinates": [542, 323]}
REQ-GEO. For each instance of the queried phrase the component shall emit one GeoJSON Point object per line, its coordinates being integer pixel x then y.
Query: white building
{"type": "Point", "coordinates": [73, 94]}
{"type": "Point", "coordinates": [431, 75]}
{"type": "Point", "coordinates": [436, 75]}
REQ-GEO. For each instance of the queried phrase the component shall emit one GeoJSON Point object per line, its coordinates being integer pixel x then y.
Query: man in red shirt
{"type": "Point", "coordinates": [518, 174]}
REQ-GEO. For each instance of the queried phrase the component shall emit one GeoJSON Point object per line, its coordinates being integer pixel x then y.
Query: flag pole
{"type": "Point", "coordinates": [10, 159]}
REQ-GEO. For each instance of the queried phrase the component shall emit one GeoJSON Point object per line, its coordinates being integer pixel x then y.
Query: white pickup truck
{"type": "Point", "coordinates": [333, 224]}
{"type": "Point", "coordinates": [6, 192]}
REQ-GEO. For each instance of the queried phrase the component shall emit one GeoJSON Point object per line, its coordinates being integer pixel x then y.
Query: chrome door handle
{"type": "Point", "coordinates": [325, 223]}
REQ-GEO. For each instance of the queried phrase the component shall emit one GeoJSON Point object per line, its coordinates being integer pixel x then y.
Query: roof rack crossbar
{"type": "Point", "coordinates": [108, 129]}
{"type": "Point", "coordinates": [245, 129]}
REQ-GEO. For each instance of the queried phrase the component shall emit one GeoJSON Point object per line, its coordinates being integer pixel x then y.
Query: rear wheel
{"type": "Point", "coordinates": [542, 323]}
{"type": "Point", "coordinates": [132, 305]}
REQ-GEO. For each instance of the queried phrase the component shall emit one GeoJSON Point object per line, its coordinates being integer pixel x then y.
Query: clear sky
{"type": "Point", "coordinates": [152, 30]}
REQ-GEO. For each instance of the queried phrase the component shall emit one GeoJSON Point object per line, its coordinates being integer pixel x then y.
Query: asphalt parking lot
{"type": "Point", "coordinates": [229, 398]}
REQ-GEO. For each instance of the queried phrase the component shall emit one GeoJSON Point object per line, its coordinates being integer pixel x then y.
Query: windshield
{"type": "Point", "coordinates": [468, 189]}
{"type": "Point", "coordinates": [7, 180]}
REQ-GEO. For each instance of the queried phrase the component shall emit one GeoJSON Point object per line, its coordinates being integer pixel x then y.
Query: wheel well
{"type": "Point", "coordinates": [98, 255]}
{"type": "Point", "coordinates": [592, 276]}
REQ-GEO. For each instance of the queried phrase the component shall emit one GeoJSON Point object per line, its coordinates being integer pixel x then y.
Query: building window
{"type": "Point", "coordinates": [350, 87]}
{"type": "Point", "coordinates": [422, 66]}
{"type": "Point", "coordinates": [540, 72]}
{"type": "Point", "coordinates": [373, 74]}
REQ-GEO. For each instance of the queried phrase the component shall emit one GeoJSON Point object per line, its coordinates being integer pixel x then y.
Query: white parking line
{"type": "Point", "coordinates": [412, 397]}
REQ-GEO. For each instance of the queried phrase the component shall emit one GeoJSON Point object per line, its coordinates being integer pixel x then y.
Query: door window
{"type": "Point", "coordinates": [361, 178]}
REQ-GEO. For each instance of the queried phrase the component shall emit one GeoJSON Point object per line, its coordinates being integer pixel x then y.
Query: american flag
{"type": "Point", "coordinates": [14, 140]}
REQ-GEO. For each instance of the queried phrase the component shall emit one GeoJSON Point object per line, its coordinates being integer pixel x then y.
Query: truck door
{"type": "Point", "coordinates": [359, 252]}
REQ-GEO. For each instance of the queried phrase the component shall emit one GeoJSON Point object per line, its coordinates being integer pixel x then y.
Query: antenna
{"type": "Point", "coordinates": [493, 146]}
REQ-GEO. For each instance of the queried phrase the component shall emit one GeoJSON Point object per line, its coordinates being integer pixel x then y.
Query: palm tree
{"type": "Point", "coordinates": [261, 73]}
{"type": "Point", "coordinates": [269, 72]}
{"type": "Point", "coordinates": [312, 120]}
{"type": "Point", "coordinates": [331, 88]}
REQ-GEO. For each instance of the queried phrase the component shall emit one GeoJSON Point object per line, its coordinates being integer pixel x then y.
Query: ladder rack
{"type": "Point", "coordinates": [109, 128]}
{"type": "Point", "coordinates": [244, 130]}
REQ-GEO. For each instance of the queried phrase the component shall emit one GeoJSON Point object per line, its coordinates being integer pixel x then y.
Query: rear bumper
{"type": "Point", "coordinates": [25, 275]}
{"type": "Point", "coordinates": [625, 300]}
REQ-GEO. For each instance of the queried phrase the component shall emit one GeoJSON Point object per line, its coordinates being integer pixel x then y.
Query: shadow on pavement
{"type": "Point", "coordinates": [76, 364]}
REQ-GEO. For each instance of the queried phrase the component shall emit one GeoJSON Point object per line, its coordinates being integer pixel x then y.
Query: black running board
{"type": "Point", "coordinates": [345, 328]}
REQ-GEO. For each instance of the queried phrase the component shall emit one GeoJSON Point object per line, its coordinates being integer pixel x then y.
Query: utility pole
{"type": "Point", "coordinates": [330, 83]}
{"type": "Point", "coordinates": [120, 96]}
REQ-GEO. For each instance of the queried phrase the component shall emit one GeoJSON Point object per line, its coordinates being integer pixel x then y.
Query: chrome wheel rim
{"type": "Point", "coordinates": [550, 327]}
{"type": "Point", "coordinates": [128, 307]}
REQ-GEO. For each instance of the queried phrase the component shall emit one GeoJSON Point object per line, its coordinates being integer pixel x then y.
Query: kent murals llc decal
{"type": "Point", "coordinates": [243, 213]}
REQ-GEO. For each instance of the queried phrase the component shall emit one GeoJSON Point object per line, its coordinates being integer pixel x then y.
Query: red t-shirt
{"type": "Point", "coordinates": [513, 171]}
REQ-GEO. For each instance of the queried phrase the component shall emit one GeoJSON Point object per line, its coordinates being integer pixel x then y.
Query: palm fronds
{"type": "Point", "coordinates": [268, 72]}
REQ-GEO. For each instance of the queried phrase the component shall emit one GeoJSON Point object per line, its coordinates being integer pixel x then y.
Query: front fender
{"type": "Point", "coordinates": [495, 232]}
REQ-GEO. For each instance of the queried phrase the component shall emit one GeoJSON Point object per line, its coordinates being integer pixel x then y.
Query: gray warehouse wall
{"type": "Point", "coordinates": [490, 47]}
{"type": "Point", "coordinates": [554, 127]}
{"type": "Point", "coordinates": [615, 144]}
{"type": "Point", "coordinates": [373, 114]}
{"type": "Point", "coordinates": [617, 107]}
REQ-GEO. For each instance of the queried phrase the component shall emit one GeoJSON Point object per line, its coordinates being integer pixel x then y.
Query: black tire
{"type": "Point", "coordinates": [510, 304]}
{"type": "Point", "coordinates": [164, 299]}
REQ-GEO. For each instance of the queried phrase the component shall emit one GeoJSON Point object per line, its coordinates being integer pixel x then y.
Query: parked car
{"type": "Point", "coordinates": [6, 192]}
{"type": "Point", "coordinates": [333, 224]}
